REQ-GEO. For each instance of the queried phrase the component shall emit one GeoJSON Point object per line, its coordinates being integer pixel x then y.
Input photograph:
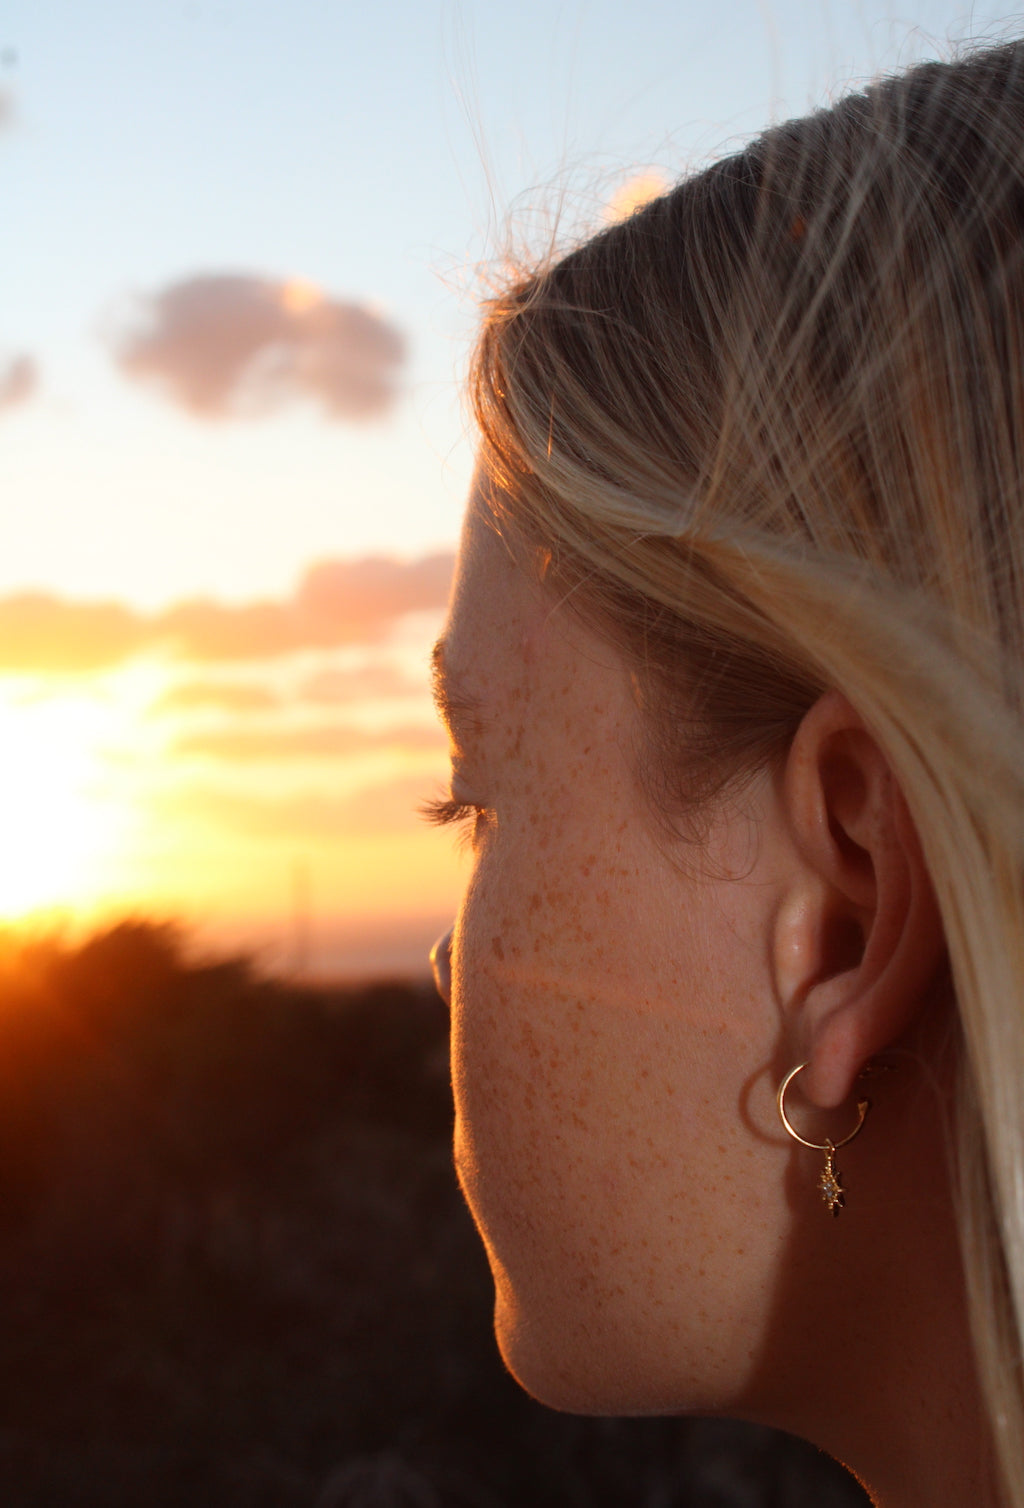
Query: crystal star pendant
{"type": "Point", "coordinates": [830, 1184]}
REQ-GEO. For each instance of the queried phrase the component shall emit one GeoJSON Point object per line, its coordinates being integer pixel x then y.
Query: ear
{"type": "Point", "coordinates": [858, 939]}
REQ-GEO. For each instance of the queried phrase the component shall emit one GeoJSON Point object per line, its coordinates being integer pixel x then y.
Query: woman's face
{"type": "Point", "coordinates": [614, 1031]}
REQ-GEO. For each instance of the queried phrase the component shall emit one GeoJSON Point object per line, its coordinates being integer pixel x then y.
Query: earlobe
{"type": "Point", "coordinates": [858, 940]}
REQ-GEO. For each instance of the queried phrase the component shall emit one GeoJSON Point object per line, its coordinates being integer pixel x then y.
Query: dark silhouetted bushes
{"type": "Point", "coordinates": [235, 1271]}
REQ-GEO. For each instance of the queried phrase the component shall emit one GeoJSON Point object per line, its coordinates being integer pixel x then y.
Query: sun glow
{"type": "Point", "coordinates": [116, 798]}
{"type": "Point", "coordinates": [56, 827]}
{"type": "Point", "coordinates": [298, 296]}
{"type": "Point", "coordinates": [635, 193]}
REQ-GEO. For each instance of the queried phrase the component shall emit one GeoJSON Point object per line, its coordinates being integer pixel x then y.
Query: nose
{"type": "Point", "coordinates": [441, 963]}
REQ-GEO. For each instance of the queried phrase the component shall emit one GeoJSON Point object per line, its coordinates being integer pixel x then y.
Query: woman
{"type": "Point", "coordinates": [733, 674]}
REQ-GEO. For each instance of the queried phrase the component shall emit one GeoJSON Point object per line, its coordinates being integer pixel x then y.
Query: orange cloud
{"type": "Point", "coordinates": [218, 696]}
{"type": "Point", "coordinates": [224, 345]}
{"type": "Point", "coordinates": [390, 807]}
{"type": "Point", "coordinates": [40, 632]}
{"type": "Point", "coordinates": [324, 741]}
{"type": "Point", "coordinates": [367, 683]}
{"type": "Point", "coordinates": [337, 602]}
{"type": "Point", "coordinates": [19, 379]}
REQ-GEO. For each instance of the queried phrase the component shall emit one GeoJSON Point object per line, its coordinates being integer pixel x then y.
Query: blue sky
{"type": "Point", "coordinates": [371, 149]}
{"type": "Point", "coordinates": [239, 247]}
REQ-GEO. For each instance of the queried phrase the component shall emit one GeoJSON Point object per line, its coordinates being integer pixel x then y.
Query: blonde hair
{"type": "Point", "coordinates": [771, 430]}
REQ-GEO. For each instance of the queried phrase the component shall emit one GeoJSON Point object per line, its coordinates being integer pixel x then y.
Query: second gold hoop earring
{"type": "Point", "coordinates": [829, 1180]}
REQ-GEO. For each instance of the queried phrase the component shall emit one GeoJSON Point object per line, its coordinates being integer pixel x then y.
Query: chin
{"type": "Point", "coordinates": [586, 1369]}
{"type": "Point", "coordinates": [545, 1366]}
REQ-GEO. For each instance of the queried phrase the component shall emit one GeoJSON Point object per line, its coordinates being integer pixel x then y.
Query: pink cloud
{"type": "Point", "coordinates": [337, 602]}
{"type": "Point", "coordinates": [18, 381]}
{"type": "Point", "coordinates": [228, 345]}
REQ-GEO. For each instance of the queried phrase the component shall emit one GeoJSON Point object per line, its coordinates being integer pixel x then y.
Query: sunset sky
{"type": "Point", "coordinates": [240, 243]}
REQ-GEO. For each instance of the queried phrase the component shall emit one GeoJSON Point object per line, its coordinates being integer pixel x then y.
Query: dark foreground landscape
{"type": "Point", "coordinates": [236, 1272]}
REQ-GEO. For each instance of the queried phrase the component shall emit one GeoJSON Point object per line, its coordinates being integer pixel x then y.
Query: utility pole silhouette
{"type": "Point", "coordinates": [301, 919]}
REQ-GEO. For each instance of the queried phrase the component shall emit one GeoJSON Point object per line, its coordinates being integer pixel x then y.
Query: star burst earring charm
{"type": "Point", "coordinates": [830, 1183]}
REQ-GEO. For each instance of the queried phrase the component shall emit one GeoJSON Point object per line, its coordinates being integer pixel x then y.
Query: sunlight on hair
{"type": "Point", "coordinates": [634, 193]}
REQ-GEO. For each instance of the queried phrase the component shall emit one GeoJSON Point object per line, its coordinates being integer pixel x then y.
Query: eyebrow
{"type": "Point", "coordinates": [457, 708]}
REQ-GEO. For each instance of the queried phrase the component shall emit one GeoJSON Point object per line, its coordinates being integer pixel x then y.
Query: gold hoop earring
{"type": "Point", "coordinates": [829, 1181]}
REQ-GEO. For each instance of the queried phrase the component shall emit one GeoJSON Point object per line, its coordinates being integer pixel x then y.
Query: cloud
{"type": "Point", "coordinates": [376, 681]}
{"type": "Point", "coordinates": [225, 345]}
{"type": "Point", "coordinates": [19, 379]}
{"type": "Point", "coordinates": [43, 633]}
{"type": "Point", "coordinates": [325, 741]}
{"type": "Point", "coordinates": [337, 602]}
{"type": "Point", "coordinates": [394, 806]}
{"type": "Point", "coordinates": [218, 696]}
{"type": "Point", "coordinates": [389, 807]}
{"type": "Point", "coordinates": [8, 112]}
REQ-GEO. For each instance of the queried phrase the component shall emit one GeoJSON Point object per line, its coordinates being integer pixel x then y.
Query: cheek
{"type": "Point", "coordinates": [576, 1020]}
{"type": "Point", "coordinates": [536, 1006]}
{"type": "Point", "coordinates": [598, 1082]}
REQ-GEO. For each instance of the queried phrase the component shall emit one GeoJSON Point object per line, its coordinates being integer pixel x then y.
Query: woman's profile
{"type": "Point", "coordinates": [734, 675]}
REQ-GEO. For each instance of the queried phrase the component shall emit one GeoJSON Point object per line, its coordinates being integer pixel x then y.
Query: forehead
{"type": "Point", "coordinates": [514, 651]}
{"type": "Point", "coordinates": [499, 614]}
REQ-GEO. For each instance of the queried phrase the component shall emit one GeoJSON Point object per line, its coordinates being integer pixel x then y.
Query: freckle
{"type": "Point", "coordinates": [497, 949]}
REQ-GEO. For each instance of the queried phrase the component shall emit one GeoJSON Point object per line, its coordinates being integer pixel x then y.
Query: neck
{"type": "Point", "coordinates": [909, 1420]}
{"type": "Point", "coordinates": [873, 1321]}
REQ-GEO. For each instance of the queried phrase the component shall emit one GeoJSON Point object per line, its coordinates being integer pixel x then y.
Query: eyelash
{"type": "Point", "coordinates": [447, 812]}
